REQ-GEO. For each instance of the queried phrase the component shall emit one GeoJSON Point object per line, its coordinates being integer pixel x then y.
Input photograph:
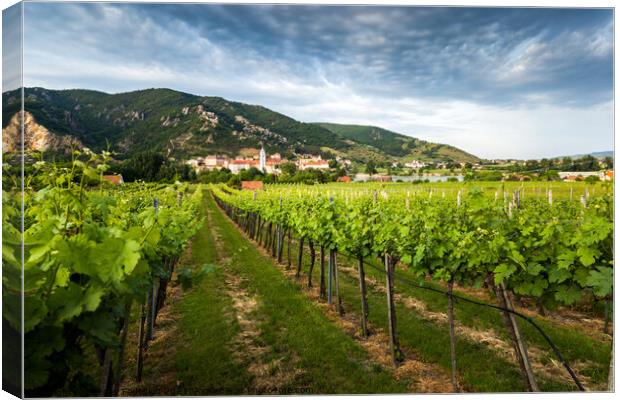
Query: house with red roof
{"type": "Point", "coordinates": [114, 179]}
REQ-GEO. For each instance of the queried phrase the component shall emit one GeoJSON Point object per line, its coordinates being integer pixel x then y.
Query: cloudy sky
{"type": "Point", "coordinates": [523, 83]}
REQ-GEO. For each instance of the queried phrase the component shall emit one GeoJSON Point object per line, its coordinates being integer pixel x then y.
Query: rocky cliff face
{"type": "Point", "coordinates": [36, 137]}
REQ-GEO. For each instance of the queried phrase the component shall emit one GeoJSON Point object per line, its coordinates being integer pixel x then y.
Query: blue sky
{"type": "Point", "coordinates": [501, 82]}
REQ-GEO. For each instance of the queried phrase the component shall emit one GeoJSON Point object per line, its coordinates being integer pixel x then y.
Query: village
{"type": "Point", "coordinates": [267, 164]}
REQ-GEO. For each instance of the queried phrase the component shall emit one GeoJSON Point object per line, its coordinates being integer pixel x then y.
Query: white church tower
{"type": "Point", "coordinates": [262, 159]}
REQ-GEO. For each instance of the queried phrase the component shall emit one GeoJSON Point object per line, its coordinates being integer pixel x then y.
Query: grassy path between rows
{"type": "Point", "coordinates": [246, 329]}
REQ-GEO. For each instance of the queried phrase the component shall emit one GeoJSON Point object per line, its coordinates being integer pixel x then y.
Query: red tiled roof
{"type": "Point", "coordinates": [113, 179]}
{"type": "Point", "coordinates": [244, 162]}
{"type": "Point", "coordinates": [316, 163]}
{"type": "Point", "coordinates": [252, 185]}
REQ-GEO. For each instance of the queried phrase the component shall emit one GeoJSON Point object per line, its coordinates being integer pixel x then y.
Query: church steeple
{"type": "Point", "coordinates": [262, 159]}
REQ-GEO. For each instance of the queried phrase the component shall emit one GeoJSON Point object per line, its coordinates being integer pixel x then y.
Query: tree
{"type": "Point", "coordinates": [234, 181]}
{"type": "Point", "coordinates": [333, 164]}
{"type": "Point", "coordinates": [144, 165]}
{"type": "Point", "coordinates": [587, 163]}
{"type": "Point", "coordinates": [371, 168]}
{"type": "Point", "coordinates": [288, 168]}
{"type": "Point", "coordinates": [566, 164]}
{"type": "Point", "coordinates": [551, 175]}
{"type": "Point", "coordinates": [251, 174]}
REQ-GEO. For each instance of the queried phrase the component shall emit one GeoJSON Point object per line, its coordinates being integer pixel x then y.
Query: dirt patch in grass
{"type": "Point", "coordinates": [269, 376]}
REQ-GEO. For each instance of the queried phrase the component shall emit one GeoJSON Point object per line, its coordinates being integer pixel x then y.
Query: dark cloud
{"type": "Point", "coordinates": [497, 55]}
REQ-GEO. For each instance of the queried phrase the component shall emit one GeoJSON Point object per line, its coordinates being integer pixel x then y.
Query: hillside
{"type": "Point", "coordinates": [596, 154]}
{"type": "Point", "coordinates": [182, 125]}
{"type": "Point", "coordinates": [398, 145]}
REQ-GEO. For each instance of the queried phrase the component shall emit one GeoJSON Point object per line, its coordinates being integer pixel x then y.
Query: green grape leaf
{"type": "Point", "coordinates": [62, 277]}
{"type": "Point", "coordinates": [92, 298]}
{"type": "Point", "coordinates": [503, 271]}
{"type": "Point", "coordinates": [601, 280]}
{"type": "Point", "coordinates": [557, 275]}
{"type": "Point", "coordinates": [566, 259]}
{"type": "Point", "coordinates": [567, 294]}
{"type": "Point", "coordinates": [586, 255]}
{"type": "Point", "coordinates": [131, 255]}
{"type": "Point", "coordinates": [534, 269]}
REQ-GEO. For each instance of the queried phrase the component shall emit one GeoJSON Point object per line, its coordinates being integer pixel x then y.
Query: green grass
{"type": "Point", "coordinates": [204, 362]}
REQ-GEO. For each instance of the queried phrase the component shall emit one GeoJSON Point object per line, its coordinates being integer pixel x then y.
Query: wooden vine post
{"type": "Point", "coordinates": [330, 275]}
{"type": "Point", "coordinates": [312, 260]}
{"type": "Point", "coordinates": [397, 355]}
{"type": "Point", "coordinates": [322, 289]}
{"type": "Point", "coordinates": [274, 240]}
{"type": "Point", "coordinates": [518, 339]}
{"type": "Point", "coordinates": [335, 270]}
{"type": "Point", "coordinates": [154, 309]}
{"type": "Point", "coordinates": [280, 236]}
{"type": "Point", "coordinates": [510, 321]}
{"type": "Point", "coordinates": [455, 386]}
{"type": "Point", "coordinates": [140, 343]}
{"type": "Point", "coordinates": [330, 270]}
{"type": "Point", "coordinates": [150, 317]}
{"type": "Point", "coordinates": [299, 256]}
{"type": "Point", "coordinates": [105, 386]}
{"type": "Point", "coordinates": [118, 375]}
{"type": "Point", "coordinates": [610, 380]}
{"type": "Point", "coordinates": [288, 248]}
{"type": "Point", "coordinates": [362, 276]}
{"type": "Point", "coordinates": [152, 299]}
{"type": "Point", "coordinates": [267, 236]}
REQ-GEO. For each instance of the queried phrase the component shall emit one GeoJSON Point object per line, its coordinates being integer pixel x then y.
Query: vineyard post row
{"type": "Point", "coordinates": [242, 217]}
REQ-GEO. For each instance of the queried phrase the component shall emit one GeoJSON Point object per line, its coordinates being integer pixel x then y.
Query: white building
{"type": "Point", "coordinates": [572, 176]}
{"type": "Point", "coordinates": [312, 164]}
{"type": "Point", "coordinates": [415, 164]}
{"type": "Point", "coordinates": [212, 162]}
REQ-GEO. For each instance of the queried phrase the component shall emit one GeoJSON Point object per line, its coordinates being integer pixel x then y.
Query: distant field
{"type": "Point", "coordinates": [559, 190]}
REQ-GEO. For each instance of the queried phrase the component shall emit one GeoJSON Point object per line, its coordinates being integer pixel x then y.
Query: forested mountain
{"type": "Point", "coordinates": [398, 145]}
{"type": "Point", "coordinates": [182, 125]}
